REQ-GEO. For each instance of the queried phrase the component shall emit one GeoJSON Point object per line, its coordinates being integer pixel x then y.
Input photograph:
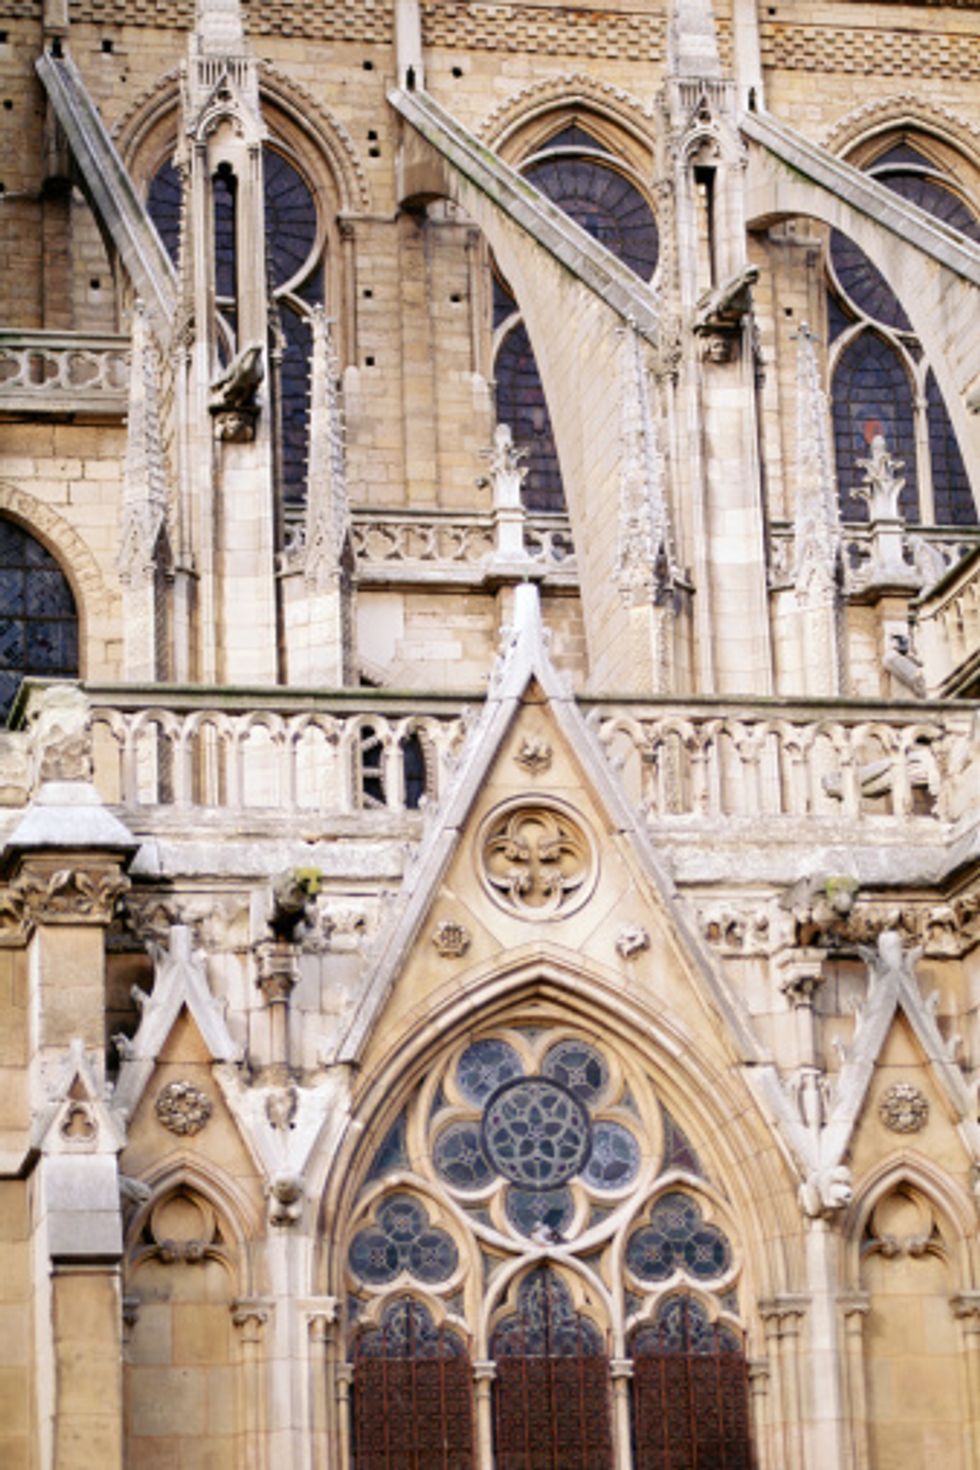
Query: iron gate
{"type": "Point", "coordinates": [690, 1402]}
{"type": "Point", "coordinates": [412, 1399]}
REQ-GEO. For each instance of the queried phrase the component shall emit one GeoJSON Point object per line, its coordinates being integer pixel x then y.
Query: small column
{"type": "Point", "coordinates": [344, 1380]}
{"type": "Point", "coordinates": [800, 979]}
{"type": "Point", "coordinates": [250, 1315]}
{"type": "Point", "coordinates": [276, 960]}
{"type": "Point", "coordinates": [621, 1372]}
{"type": "Point", "coordinates": [826, 1436]}
{"type": "Point", "coordinates": [484, 1373]}
{"type": "Point", "coordinates": [855, 1308]}
{"type": "Point", "coordinates": [507, 474]}
{"type": "Point", "coordinates": [966, 1309]}
{"type": "Point", "coordinates": [783, 1317]}
{"type": "Point", "coordinates": [320, 1322]}
{"type": "Point", "coordinates": [760, 1412]}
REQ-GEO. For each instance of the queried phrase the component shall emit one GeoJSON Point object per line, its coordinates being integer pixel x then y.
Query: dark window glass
{"type": "Point", "coordinates": [225, 280]}
{"type": "Point", "coordinates": [901, 153]}
{"type": "Point", "coordinates": [38, 618]}
{"type": "Point", "coordinates": [865, 285]}
{"type": "Point", "coordinates": [872, 395]}
{"type": "Point", "coordinates": [575, 136]}
{"type": "Point", "coordinates": [294, 377]}
{"type": "Point", "coordinates": [521, 404]}
{"type": "Point", "coordinates": [604, 202]}
{"type": "Point", "coordinates": [163, 206]}
{"type": "Point", "coordinates": [290, 217]}
{"type": "Point", "coordinates": [504, 304]}
{"type": "Point", "coordinates": [413, 771]}
{"type": "Point", "coordinates": [952, 496]}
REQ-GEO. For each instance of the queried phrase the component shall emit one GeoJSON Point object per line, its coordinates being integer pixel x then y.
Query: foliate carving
{"type": "Point", "coordinates": [536, 861]}
{"type": "Point", "coordinates": [183, 1108]}
{"type": "Point", "coordinates": [145, 498]}
{"type": "Point", "coordinates": [535, 754]}
{"type": "Point", "coordinates": [451, 939]}
{"type": "Point", "coordinates": [326, 530]}
{"type": "Point", "coordinates": [818, 533]}
{"type": "Point", "coordinates": [64, 896]}
{"type": "Point", "coordinates": [645, 563]}
{"type": "Point", "coordinates": [903, 1108]}
{"type": "Point", "coordinates": [631, 940]}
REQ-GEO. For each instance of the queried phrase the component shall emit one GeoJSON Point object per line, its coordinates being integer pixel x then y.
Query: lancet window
{"type": "Point", "coordinates": [38, 617]}
{"type": "Point", "coordinates": [881, 382]}
{"type": "Point", "coordinates": [578, 173]}
{"type": "Point", "coordinates": [295, 257]}
{"type": "Point", "coordinates": [535, 1217]}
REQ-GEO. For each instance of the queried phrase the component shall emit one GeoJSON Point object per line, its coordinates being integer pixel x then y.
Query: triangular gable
{"type": "Point", "coordinates": [76, 1118]}
{"type": "Point", "coordinates": [180, 981]}
{"type": "Point", "coordinates": [525, 659]}
{"type": "Point", "coordinates": [893, 988]}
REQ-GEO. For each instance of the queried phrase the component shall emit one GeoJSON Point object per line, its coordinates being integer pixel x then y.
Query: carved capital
{"type": "Point", "coordinates": [321, 1317]}
{"type": "Point", "coordinates": [801, 975]}
{"type": "Point", "coordinates": [276, 971]}
{"type": "Point", "coordinates": [57, 891]}
{"type": "Point", "coordinates": [250, 1314]}
{"type": "Point", "coordinates": [484, 1370]}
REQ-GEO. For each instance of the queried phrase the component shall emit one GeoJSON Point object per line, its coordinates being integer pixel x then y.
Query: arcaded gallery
{"type": "Point", "coordinates": [490, 761]}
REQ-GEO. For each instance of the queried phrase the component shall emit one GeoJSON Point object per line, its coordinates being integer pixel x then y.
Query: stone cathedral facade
{"type": "Point", "coordinates": [490, 654]}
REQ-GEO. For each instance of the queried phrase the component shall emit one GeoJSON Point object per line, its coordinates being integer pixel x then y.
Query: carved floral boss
{"type": "Point", "coordinates": [536, 860]}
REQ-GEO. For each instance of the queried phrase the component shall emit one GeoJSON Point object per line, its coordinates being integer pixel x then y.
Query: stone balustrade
{"type": "Point", "coordinates": [708, 761]}
{"type": "Point", "coordinates": [930, 550]}
{"type": "Point", "coordinates": [457, 545]}
{"type": "Point", "coordinates": [63, 372]}
{"type": "Point", "coordinates": [948, 621]}
{"type": "Point", "coordinates": [272, 753]}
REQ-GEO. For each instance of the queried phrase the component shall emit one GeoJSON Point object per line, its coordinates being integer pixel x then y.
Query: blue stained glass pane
{"type": "Point", "coordinates": [373, 1257]}
{"type": "Point", "coordinates": [605, 203]}
{"type": "Point", "coordinates": [294, 384]}
{"type": "Point", "coordinates": [536, 1133]}
{"type": "Point", "coordinates": [872, 395]}
{"type": "Point", "coordinates": [402, 1240]}
{"type": "Point", "coordinates": [458, 1156]}
{"type": "Point", "coordinates": [545, 1323]}
{"type": "Point", "coordinates": [682, 1326]}
{"type": "Point", "coordinates": [163, 206]}
{"type": "Point", "coordinates": [615, 1157]}
{"type": "Point", "coordinates": [529, 1209]}
{"type": "Point", "coordinates": [13, 642]}
{"type": "Point", "coordinates": [38, 623]}
{"type": "Point", "coordinates": [677, 1239]}
{"type": "Point", "coordinates": [432, 1256]}
{"type": "Point", "coordinates": [579, 1067]}
{"type": "Point", "coordinates": [952, 496]}
{"type": "Point", "coordinates": [401, 1218]}
{"type": "Point", "coordinates": [406, 1330]}
{"type": "Point", "coordinates": [521, 404]}
{"type": "Point", "coordinates": [865, 285]}
{"type": "Point", "coordinates": [11, 590]}
{"type": "Point", "coordinates": [393, 1153]}
{"type": "Point", "coordinates": [48, 594]}
{"type": "Point", "coordinates": [575, 136]}
{"type": "Point", "coordinates": [678, 1153]}
{"type": "Point", "coordinates": [484, 1066]}
{"type": "Point", "coordinates": [290, 217]}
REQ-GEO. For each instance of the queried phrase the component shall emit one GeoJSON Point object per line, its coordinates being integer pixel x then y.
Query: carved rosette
{"type": "Point", "coordinates": [534, 755]}
{"type": "Point", "coordinates": [535, 860]}
{"type": "Point", "coordinates": [183, 1108]}
{"type": "Point", "coordinates": [451, 939]}
{"type": "Point", "coordinates": [903, 1108]}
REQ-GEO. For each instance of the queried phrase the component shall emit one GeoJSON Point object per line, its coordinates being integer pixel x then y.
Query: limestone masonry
{"type": "Point", "coordinates": [489, 735]}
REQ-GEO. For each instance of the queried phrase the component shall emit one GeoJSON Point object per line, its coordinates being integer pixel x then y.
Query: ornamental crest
{"type": "Point", "coordinates": [536, 861]}
{"type": "Point", "coordinates": [903, 1108]}
{"type": "Point", "coordinates": [183, 1108]}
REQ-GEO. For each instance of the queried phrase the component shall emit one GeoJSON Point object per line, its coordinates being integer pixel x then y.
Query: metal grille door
{"type": "Point", "coordinates": [412, 1412]}
{"type": "Point", "coordinates": [690, 1407]}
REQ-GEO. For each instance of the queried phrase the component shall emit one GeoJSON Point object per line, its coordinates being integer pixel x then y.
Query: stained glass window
{"type": "Point", "coordinates": [677, 1239]}
{"type": "Point", "coordinates": [38, 618]}
{"type": "Point", "coordinates": [873, 381]}
{"type": "Point", "coordinates": [872, 395]}
{"type": "Point", "coordinates": [402, 1240]}
{"type": "Point", "coordinates": [951, 494]}
{"type": "Point", "coordinates": [521, 404]}
{"type": "Point", "coordinates": [484, 1066]}
{"type": "Point", "coordinates": [605, 203]}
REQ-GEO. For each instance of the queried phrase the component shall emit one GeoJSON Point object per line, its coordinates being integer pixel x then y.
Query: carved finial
{"type": "Point", "coordinates": [818, 534]}
{"type": "Point", "coordinates": [644, 557]}
{"type": "Point", "coordinates": [882, 485]}
{"type": "Point", "coordinates": [145, 486]}
{"type": "Point", "coordinates": [327, 524]}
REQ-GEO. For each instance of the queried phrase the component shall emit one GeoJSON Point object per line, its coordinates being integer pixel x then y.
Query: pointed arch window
{"type": "Point", "coordinates": [880, 380]}
{"type": "Point", "coordinates": [38, 616]}
{"type": "Point", "coordinates": [525, 1137]}
{"type": "Point", "coordinates": [295, 253]}
{"type": "Point", "coordinates": [578, 173]}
